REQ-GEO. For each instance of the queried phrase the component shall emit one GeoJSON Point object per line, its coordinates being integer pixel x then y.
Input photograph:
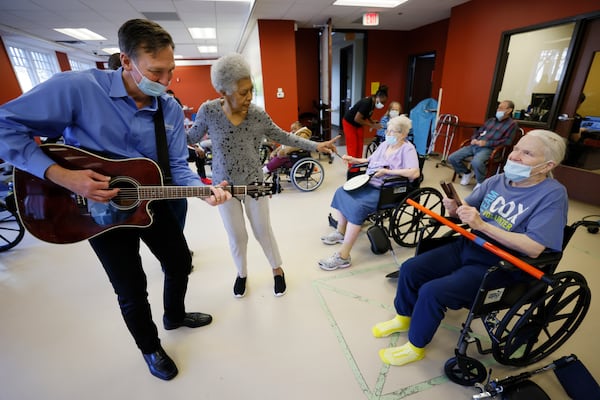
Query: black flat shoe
{"type": "Point", "coordinates": [191, 320]}
{"type": "Point", "coordinates": [280, 287]}
{"type": "Point", "coordinates": [161, 365]}
{"type": "Point", "coordinates": [239, 287]}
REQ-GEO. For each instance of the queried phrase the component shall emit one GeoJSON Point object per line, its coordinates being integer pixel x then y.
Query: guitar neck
{"type": "Point", "coordinates": [180, 192]}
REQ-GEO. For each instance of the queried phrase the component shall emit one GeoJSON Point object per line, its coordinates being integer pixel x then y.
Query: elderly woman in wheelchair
{"type": "Point", "coordinates": [523, 211]}
{"type": "Point", "coordinates": [395, 157]}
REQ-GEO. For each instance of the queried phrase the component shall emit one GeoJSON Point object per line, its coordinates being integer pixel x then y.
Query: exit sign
{"type": "Point", "coordinates": [371, 19]}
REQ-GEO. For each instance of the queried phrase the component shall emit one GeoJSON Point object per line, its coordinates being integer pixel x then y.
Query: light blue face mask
{"type": "Point", "coordinates": [499, 115]}
{"type": "Point", "coordinates": [394, 113]}
{"type": "Point", "coordinates": [148, 87]}
{"type": "Point", "coordinates": [519, 172]}
{"type": "Point", "coordinates": [391, 139]}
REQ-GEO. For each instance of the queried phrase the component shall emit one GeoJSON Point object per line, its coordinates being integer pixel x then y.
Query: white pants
{"type": "Point", "coordinates": [257, 211]}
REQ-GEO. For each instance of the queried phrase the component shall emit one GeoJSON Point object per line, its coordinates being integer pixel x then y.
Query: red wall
{"type": "Point", "coordinates": [386, 64]}
{"type": "Point", "coordinates": [278, 59]}
{"type": "Point", "coordinates": [192, 85]}
{"type": "Point", "coordinates": [388, 54]}
{"type": "Point", "coordinates": [307, 69]}
{"type": "Point", "coordinates": [430, 38]}
{"type": "Point", "coordinates": [473, 40]}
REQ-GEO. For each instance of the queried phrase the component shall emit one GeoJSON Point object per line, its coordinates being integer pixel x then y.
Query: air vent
{"type": "Point", "coordinates": [69, 41]}
{"type": "Point", "coordinates": [161, 16]}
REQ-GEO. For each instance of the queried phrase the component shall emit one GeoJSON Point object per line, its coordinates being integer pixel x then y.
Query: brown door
{"type": "Point", "coordinates": [582, 178]}
{"type": "Point", "coordinates": [419, 79]}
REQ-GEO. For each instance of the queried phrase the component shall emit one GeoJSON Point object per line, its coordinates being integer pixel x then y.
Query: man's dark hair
{"type": "Point", "coordinates": [114, 61]}
{"type": "Point", "coordinates": [144, 35]}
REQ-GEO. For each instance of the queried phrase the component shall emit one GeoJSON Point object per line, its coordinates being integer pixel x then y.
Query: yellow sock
{"type": "Point", "coordinates": [399, 323]}
{"type": "Point", "coordinates": [402, 355]}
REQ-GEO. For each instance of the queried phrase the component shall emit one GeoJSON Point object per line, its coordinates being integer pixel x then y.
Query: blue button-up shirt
{"type": "Point", "coordinates": [92, 110]}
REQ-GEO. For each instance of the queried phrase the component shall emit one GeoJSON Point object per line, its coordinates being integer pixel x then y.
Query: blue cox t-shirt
{"type": "Point", "coordinates": [539, 211]}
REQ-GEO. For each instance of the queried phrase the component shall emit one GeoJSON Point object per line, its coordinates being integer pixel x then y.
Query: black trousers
{"type": "Point", "coordinates": [119, 252]}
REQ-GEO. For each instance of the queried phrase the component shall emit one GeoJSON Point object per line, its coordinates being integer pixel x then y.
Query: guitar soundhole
{"type": "Point", "coordinates": [128, 194]}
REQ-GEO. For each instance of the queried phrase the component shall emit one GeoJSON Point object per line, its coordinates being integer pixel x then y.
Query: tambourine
{"type": "Point", "coordinates": [356, 182]}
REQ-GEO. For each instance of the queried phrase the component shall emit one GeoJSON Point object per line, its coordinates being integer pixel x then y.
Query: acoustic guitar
{"type": "Point", "coordinates": [54, 214]}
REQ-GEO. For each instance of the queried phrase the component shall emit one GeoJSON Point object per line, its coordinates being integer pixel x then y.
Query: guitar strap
{"type": "Point", "coordinates": [162, 148]}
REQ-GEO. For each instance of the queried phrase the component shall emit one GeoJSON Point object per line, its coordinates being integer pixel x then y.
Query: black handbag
{"type": "Point", "coordinates": [380, 241]}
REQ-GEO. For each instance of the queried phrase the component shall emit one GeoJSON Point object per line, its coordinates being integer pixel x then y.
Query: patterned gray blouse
{"type": "Point", "coordinates": [235, 149]}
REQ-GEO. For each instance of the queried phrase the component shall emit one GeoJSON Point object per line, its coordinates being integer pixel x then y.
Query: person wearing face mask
{"type": "Point", "coordinates": [394, 110]}
{"type": "Point", "coordinates": [522, 211]}
{"type": "Point", "coordinates": [497, 131]}
{"type": "Point", "coordinates": [112, 113]}
{"type": "Point", "coordinates": [358, 117]}
{"type": "Point", "coordinates": [236, 128]}
{"type": "Point", "coordinates": [394, 157]}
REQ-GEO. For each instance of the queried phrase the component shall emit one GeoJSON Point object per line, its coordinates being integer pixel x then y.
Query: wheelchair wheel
{"type": "Point", "coordinates": [407, 222]}
{"type": "Point", "coordinates": [372, 147]}
{"type": "Point", "coordinates": [11, 229]}
{"type": "Point", "coordinates": [264, 151]}
{"type": "Point", "coordinates": [534, 328]}
{"type": "Point", "coordinates": [307, 174]}
{"type": "Point", "coordinates": [465, 371]}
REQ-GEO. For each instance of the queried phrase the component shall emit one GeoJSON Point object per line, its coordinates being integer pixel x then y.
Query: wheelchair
{"type": "Point", "coordinates": [12, 230]}
{"type": "Point", "coordinates": [371, 147]}
{"type": "Point", "coordinates": [526, 320]}
{"type": "Point", "coordinates": [304, 172]}
{"type": "Point", "coordinates": [396, 219]}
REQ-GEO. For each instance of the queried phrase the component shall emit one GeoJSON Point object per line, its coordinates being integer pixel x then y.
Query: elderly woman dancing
{"type": "Point", "coordinates": [236, 128]}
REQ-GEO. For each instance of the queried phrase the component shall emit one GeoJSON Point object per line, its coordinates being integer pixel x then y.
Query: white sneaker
{"type": "Point", "coordinates": [334, 262]}
{"type": "Point", "coordinates": [466, 178]}
{"type": "Point", "coordinates": [333, 238]}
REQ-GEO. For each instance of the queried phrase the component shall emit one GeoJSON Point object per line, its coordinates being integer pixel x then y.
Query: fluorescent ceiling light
{"type": "Point", "coordinates": [203, 33]}
{"type": "Point", "coordinates": [369, 3]}
{"type": "Point", "coordinates": [111, 50]}
{"type": "Point", "coordinates": [207, 49]}
{"type": "Point", "coordinates": [80, 33]}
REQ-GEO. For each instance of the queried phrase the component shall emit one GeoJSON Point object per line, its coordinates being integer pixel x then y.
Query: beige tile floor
{"type": "Point", "coordinates": [62, 336]}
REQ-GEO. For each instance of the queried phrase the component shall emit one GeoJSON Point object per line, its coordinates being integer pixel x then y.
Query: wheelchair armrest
{"type": "Point", "coordinates": [540, 262]}
{"type": "Point", "coordinates": [360, 165]}
{"type": "Point", "coordinates": [394, 180]}
{"type": "Point", "coordinates": [356, 169]}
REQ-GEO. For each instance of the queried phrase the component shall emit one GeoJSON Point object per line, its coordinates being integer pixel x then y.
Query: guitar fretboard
{"type": "Point", "coordinates": [180, 192]}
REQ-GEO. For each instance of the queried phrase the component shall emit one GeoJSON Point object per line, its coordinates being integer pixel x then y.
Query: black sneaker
{"type": "Point", "coordinates": [239, 287]}
{"type": "Point", "coordinates": [280, 287]}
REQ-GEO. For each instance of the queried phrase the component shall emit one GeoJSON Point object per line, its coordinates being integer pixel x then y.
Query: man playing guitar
{"type": "Point", "coordinates": [112, 113]}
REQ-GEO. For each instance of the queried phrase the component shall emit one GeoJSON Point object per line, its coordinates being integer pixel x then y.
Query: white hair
{"type": "Point", "coordinates": [400, 123]}
{"type": "Point", "coordinates": [555, 146]}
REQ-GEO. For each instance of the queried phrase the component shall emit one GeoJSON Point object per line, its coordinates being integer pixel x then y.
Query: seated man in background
{"type": "Point", "coordinates": [280, 156]}
{"type": "Point", "coordinates": [497, 131]}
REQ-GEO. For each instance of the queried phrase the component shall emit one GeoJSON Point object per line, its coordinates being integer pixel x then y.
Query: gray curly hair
{"type": "Point", "coordinates": [227, 71]}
